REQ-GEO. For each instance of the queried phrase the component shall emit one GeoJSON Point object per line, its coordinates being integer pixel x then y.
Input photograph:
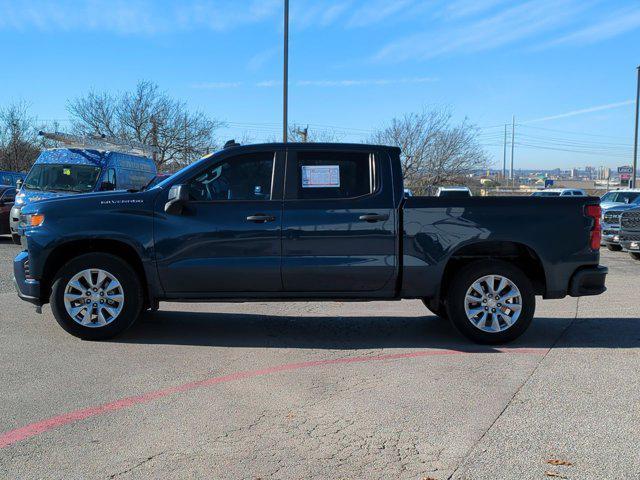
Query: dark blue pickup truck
{"type": "Point", "coordinates": [305, 222]}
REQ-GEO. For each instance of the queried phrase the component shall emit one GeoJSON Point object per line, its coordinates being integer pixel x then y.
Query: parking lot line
{"type": "Point", "coordinates": [13, 436]}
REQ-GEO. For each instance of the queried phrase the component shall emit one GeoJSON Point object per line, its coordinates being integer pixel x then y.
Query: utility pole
{"type": "Point", "coordinates": [513, 137]}
{"type": "Point", "coordinates": [634, 172]}
{"type": "Point", "coordinates": [504, 155]}
{"type": "Point", "coordinates": [285, 78]}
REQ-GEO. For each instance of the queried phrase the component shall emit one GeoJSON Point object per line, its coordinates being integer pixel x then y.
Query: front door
{"type": "Point", "coordinates": [227, 239]}
{"type": "Point", "coordinates": [339, 225]}
{"type": "Point", "coordinates": [6, 203]}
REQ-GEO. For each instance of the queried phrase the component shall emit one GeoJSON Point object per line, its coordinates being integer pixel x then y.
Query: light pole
{"type": "Point", "coordinates": [285, 79]}
{"type": "Point", "coordinates": [634, 171]}
{"type": "Point", "coordinates": [513, 140]}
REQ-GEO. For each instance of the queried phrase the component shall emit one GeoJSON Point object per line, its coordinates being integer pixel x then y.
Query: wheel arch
{"type": "Point", "coordinates": [65, 252]}
{"type": "Point", "coordinates": [518, 254]}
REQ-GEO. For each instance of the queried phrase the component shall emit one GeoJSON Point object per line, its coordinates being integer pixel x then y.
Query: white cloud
{"type": "Point", "coordinates": [583, 111]}
{"type": "Point", "coordinates": [269, 83]}
{"type": "Point", "coordinates": [260, 59]}
{"type": "Point", "coordinates": [349, 82]}
{"type": "Point", "coordinates": [464, 8]}
{"type": "Point", "coordinates": [376, 11]}
{"type": "Point", "coordinates": [133, 16]}
{"type": "Point", "coordinates": [317, 13]}
{"type": "Point", "coordinates": [215, 85]}
{"type": "Point", "coordinates": [620, 22]}
{"type": "Point", "coordinates": [504, 27]}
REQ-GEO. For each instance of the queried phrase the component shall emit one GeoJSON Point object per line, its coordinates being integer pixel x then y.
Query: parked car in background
{"type": "Point", "coordinates": [616, 198]}
{"type": "Point", "coordinates": [619, 203]}
{"type": "Point", "coordinates": [560, 192]}
{"type": "Point", "coordinates": [307, 221]}
{"type": "Point", "coordinates": [630, 232]}
{"type": "Point", "coordinates": [10, 178]}
{"type": "Point", "coordinates": [7, 197]}
{"type": "Point", "coordinates": [453, 192]}
{"type": "Point", "coordinates": [66, 171]}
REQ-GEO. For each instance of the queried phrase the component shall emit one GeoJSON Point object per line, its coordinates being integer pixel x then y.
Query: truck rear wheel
{"type": "Point", "coordinates": [612, 247]}
{"type": "Point", "coordinates": [491, 301]}
{"type": "Point", "coordinates": [635, 255]}
{"type": "Point", "coordinates": [96, 296]}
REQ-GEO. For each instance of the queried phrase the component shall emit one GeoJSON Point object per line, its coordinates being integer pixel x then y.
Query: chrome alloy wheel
{"type": "Point", "coordinates": [93, 298]}
{"type": "Point", "coordinates": [493, 303]}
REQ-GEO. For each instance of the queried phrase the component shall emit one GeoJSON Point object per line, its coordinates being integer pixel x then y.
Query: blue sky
{"type": "Point", "coordinates": [564, 68]}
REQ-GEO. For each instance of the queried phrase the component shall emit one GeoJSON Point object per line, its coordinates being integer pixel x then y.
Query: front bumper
{"type": "Point", "coordinates": [588, 281]}
{"type": "Point", "coordinates": [610, 237]}
{"type": "Point", "coordinates": [630, 245]}
{"type": "Point", "coordinates": [28, 288]}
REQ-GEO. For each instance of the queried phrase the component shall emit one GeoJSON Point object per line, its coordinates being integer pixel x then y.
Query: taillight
{"type": "Point", "coordinates": [595, 212]}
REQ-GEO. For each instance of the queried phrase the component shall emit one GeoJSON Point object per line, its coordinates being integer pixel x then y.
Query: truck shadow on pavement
{"type": "Point", "coordinates": [345, 333]}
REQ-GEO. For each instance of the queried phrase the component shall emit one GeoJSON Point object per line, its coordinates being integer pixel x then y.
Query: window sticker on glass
{"type": "Point", "coordinates": [320, 176]}
{"type": "Point", "coordinates": [66, 171]}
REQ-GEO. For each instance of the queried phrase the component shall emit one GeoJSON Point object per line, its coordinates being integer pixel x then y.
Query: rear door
{"type": "Point", "coordinates": [339, 223]}
{"type": "Point", "coordinates": [227, 239]}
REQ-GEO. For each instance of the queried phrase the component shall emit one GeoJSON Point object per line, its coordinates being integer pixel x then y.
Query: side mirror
{"type": "Point", "coordinates": [177, 199]}
{"type": "Point", "coordinates": [19, 184]}
{"type": "Point", "coordinates": [107, 187]}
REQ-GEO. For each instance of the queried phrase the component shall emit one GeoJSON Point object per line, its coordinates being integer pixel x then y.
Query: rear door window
{"type": "Point", "coordinates": [334, 175]}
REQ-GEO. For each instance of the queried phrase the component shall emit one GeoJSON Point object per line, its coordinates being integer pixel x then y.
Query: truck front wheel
{"type": "Point", "coordinates": [437, 308]}
{"type": "Point", "coordinates": [491, 301]}
{"type": "Point", "coordinates": [96, 296]}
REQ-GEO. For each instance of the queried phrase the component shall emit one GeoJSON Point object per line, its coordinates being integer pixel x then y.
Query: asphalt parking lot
{"type": "Point", "coordinates": [336, 390]}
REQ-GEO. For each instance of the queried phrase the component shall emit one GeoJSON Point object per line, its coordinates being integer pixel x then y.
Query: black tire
{"type": "Point", "coordinates": [456, 298]}
{"type": "Point", "coordinates": [613, 247]}
{"type": "Point", "coordinates": [15, 238]}
{"type": "Point", "coordinates": [635, 256]}
{"type": "Point", "coordinates": [439, 311]}
{"type": "Point", "coordinates": [131, 288]}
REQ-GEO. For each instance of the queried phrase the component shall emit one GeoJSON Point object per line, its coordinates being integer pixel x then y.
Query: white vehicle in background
{"type": "Point", "coordinates": [613, 205]}
{"type": "Point", "coordinates": [453, 192]}
{"type": "Point", "coordinates": [617, 198]}
{"type": "Point", "coordinates": [559, 192]}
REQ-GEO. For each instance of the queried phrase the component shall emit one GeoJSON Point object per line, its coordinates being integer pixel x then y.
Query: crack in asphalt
{"type": "Point", "coordinates": [466, 457]}
{"type": "Point", "coordinates": [138, 465]}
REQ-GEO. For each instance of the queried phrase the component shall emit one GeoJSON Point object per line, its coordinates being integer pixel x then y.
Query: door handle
{"type": "Point", "coordinates": [374, 217]}
{"type": "Point", "coordinates": [260, 218]}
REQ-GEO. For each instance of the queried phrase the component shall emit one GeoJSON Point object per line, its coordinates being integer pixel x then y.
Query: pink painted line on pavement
{"type": "Point", "coordinates": [36, 428]}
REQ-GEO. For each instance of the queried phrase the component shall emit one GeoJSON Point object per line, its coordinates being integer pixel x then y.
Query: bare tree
{"type": "Point", "coordinates": [434, 152]}
{"type": "Point", "coordinates": [298, 133]}
{"type": "Point", "coordinates": [149, 116]}
{"type": "Point", "coordinates": [19, 142]}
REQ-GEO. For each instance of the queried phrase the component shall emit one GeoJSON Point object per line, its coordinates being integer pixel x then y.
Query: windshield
{"type": "Point", "coordinates": [622, 197]}
{"type": "Point", "coordinates": [454, 193]}
{"type": "Point", "coordinates": [51, 177]}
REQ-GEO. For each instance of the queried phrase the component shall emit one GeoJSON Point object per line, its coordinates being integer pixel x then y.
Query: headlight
{"type": "Point", "coordinates": [33, 220]}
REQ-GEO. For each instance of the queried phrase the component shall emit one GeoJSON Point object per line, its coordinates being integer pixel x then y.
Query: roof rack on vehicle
{"type": "Point", "coordinates": [101, 142]}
